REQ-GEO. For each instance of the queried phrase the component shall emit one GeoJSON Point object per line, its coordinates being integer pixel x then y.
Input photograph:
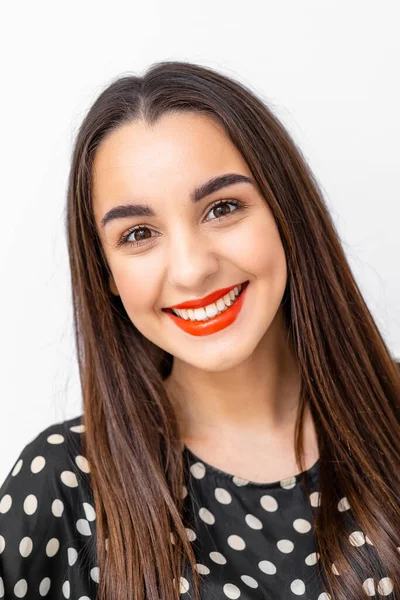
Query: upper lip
{"type": "Point", "coordinates": [200, 302]}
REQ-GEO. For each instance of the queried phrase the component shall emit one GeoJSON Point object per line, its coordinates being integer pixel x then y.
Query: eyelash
{"type": "Point", "coordinates": [124, 241]}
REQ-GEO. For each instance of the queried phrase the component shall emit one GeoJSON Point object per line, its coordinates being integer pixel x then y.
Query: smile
{"type": "Point", "coordinates": [212, 317]}
{"type": "Point", "coordinates": [210, 310]}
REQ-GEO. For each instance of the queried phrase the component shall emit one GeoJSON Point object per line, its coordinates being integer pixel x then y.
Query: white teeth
{"type": "Point", "coordinates": [220, 304]}
{"type": "Point", "coordinates": [211, 310]}
{"type": "Point", "coordinates": [200, 314]}
{"type": "Point", "coordinates": [227, 299]}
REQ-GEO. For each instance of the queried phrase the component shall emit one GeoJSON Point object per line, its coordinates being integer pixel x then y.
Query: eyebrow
{"type": "Point", "coordinates": [205, 189]}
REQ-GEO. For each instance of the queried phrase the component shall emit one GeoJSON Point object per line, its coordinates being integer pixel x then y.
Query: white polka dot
{"type": "Point", "coordinates": [343, 504]}
{"type": "Point", "coordinates": [250, 581]}
{"type": "Point", "coordinates": [5, 503]}
{"type": "Point", "coordinates": [267, 567]}
{"type": "Point", "coordinates": [315, 499]}
{"type": "Point", "coordinates": [184, 491]}
{"type": "Point", "coordinates": [285, 546]}
{"type": "Point", "coordinates": [106, 544]}
{"type": "Point", "coordinates": [83, 527]}
{"type": "Point", "coordinates": [30, 504]}
{"type": "Point", "coordinates": [2, 544]}
{"type": "Point", "coordinates": [2, 591]}
{"type": "Point", "coordinates": [44, 586]}
{"type": "Point", "coordinates": [69, 478]}
{"type": "Point", "coordinates": [25, 546]}
{"type": "Point", "coordinates": [268, 503]}
{"type": "Point", "coordinates": [57, 508]}
{"type": "Point", "coordinates": [298, 587]}
{"type": "Point", "coordinates": [236, 542]}
{"type": "Point", "coordinates": [324, 596]}
{"type": "Point", "coordinates": [302, 525]}
{"type": "Point", "coordinates": [94, 574]}
{"type": "Point", "coordinates": [66, 589]}
{"type": "Point", "coordinates": [218, 558]}
{"type": "Point", "coordinates": [253, 522]}
{"type": "Point", "coordinates": [72, 556]}
{"type": "Point", "coordinates": [223, 496]}
{"type": "Point", "coordinates": [52, 547]}
{"type": "Point", "coordinates": [239, 481]}
{"type": "Point", "coordinates": [288, 483]}
{"type": "Point", "coordinates": [231, 590]}
{"type": "Point", "coordinates": [311, 559]}
{"type": "Point", "coordinates": [206, 516]}
{"type": "Point", "coordinates": [190, 534]}
{"type": "Point", "coordinates": [369, 586]}
{"type": "Point", "coordinates": [385, 586]}
{"type": "Point", "coordinates": [183, 585]}
{"type": "Point", "coordinates": [172, 537]}
{"type": "Point", "coordinates": [38, 464]}
{"type": "Point", "coordinates": [198, 470]}
{"type": "Point", "coordinates": [20, 588]}
{"type": "Point", "coordinates": [84, 598]}
{"type": "Point", "coordinates": [17, 467]}
{"type": "Point", "coordinates": [78, 428]}
{"type": "Point", "coordinates": [83, 463]}
{"type": "Point", "coordinates": [202, 569]}
{"type": "Point", "coordinates": [334, 569]}
{"type": "Point", "coordinates": [55, 438]}
{"type": "Point", "coordinates": [89, 511]}
{"type": "Point", "coordinates": [357, 538]}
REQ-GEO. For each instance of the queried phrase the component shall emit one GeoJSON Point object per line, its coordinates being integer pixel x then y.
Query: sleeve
{"type": "Point", "coordinates": [47, 522]}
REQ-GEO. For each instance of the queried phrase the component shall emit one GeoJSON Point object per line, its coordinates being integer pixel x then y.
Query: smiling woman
{"type": "Point", "coordinates": [241, 414]}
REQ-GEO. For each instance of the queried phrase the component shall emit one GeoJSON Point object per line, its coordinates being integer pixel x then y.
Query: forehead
{"type": "Point", "coordinates": [178, 151]}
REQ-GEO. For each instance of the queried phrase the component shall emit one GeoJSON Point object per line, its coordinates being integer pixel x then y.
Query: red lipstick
{"type": "Point", "coordinates": [213, 324]}
{"type": "Point", "coordinates": [200, 302]}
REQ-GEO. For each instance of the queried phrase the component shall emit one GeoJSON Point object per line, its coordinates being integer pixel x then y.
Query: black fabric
{"type": "Point", "coordinates": [251, 540]}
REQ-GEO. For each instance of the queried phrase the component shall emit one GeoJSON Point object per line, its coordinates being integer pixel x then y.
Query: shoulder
{"type": "Point", "coordinates": [54, 456]}
{"type": "Point", "coordinates": [54, 439]}
{"type": "Point", "coordinates": [46, 509]}
{"type": "Point", "coordinates": [51, 465]}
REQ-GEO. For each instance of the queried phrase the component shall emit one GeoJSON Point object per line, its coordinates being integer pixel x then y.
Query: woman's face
{"type": "Point", "coordinates": [183, 251]}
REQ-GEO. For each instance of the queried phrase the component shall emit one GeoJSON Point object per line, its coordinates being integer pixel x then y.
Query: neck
{"type": "Point", "coordinates": [259, 397]}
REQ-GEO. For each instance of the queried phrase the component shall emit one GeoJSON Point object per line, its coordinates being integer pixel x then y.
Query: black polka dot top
{"type": "Point", "coordinates": [252, 541]}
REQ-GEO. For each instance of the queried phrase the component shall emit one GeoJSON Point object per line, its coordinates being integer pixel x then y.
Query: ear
{"type": "Point", "coordinates": [113, 287]}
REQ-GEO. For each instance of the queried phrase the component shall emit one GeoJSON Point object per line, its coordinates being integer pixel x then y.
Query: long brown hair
{"type": "Point", "coordinates": [348, 377]}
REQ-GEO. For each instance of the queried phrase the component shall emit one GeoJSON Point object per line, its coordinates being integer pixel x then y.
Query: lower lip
{"type": "Point", "coordinates": [214, 324]}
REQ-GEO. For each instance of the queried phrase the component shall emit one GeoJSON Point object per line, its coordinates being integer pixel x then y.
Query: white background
{"type": "Point", "coordinates": [330, 71]}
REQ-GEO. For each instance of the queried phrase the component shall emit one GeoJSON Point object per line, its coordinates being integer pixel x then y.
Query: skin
{"type": "Point", "coordinates": [236, 391]}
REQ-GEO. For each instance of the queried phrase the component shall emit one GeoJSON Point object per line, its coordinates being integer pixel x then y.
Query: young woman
{"type": "Point", "coordinates": [241, 411]}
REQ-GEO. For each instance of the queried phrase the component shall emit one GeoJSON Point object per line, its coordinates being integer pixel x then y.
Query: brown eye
{"type": "Point", "coordinates": [136, 242]}
{"type": "Point", "coordinates": [221, 203]}
{"type": "Point", "coordinates": [141, 237]}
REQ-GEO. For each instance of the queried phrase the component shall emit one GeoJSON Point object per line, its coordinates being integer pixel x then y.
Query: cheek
{"type": "Point", "coordinates": [260, 251]}
{"type": "Point", "coordinates": [137, 285]}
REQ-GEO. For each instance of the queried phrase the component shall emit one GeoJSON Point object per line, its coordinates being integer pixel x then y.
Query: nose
{"type": "Point", "coordinates": [191, 259]}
